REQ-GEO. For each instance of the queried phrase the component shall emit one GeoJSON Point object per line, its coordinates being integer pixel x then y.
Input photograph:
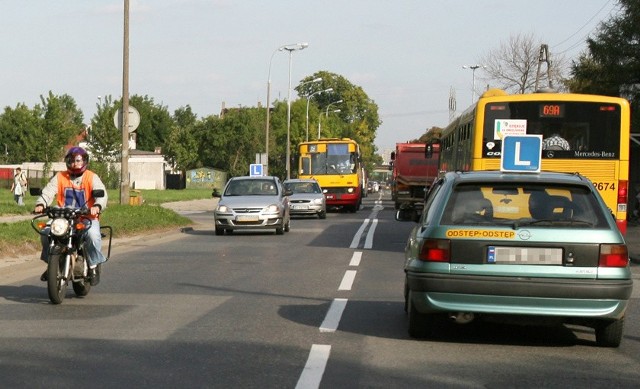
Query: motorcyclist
{"type": "Point", "coordinates": [74, 188]}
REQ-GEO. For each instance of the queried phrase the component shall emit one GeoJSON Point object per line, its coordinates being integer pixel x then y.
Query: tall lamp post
{"type": "Point", "coordinates": [326, 114]}
{"type": "Point", "coordinates": [309, 99]}
{"type": "Point", "coordinates": [473, 72]}
{"type": "Point", "coordinates": [290, 49]}
{"type": "Point", "coordinates": [299, 46]}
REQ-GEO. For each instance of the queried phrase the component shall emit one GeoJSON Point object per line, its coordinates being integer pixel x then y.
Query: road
{"type": "Point", "coordinates": [320, 305]}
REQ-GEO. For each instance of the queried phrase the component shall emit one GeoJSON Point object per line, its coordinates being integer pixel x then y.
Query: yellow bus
{"type": "Point", "coordinates": [335, 163]}
{"type": "Point", "coordinates": [581, 133]}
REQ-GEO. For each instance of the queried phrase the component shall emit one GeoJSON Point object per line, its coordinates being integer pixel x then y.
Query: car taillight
{"type": "Point", "coordinates": [435, 250]}
{"type": "Point", "coordinates": [613, 255]}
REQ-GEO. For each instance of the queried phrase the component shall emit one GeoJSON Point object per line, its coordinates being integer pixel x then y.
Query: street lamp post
{"type": "Point", "coordinates": [326, 114]}
{"type": "Point", "coordinates": [290, 49]}
{"type": "Point", "coordinates": [300, 46]}
{"type": "Point", "coordinates": [309, 99]}
{"type": "Point", "coordinates": [473, 72]}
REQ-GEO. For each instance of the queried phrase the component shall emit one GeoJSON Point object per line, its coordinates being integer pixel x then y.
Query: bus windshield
{"type": "Point", "coordinates": [326, 163]}
{"type": "Point", "coordinates": [569, 129]}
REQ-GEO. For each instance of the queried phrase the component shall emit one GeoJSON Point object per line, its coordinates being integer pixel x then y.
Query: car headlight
{"type": "Point", "coordinates": [273, 208]}
{"type": "Point", "coordinates": [317, 201]}
{"type": "Point", "coordinates": [223, 209]}
{"type": "Point", "coordinates": [59, 227]}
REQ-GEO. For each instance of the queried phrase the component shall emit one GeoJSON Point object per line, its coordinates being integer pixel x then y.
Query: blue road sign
{"type": "Point", "coordinates": [255, 169]}
{"type": "Point", "coordinates": [521, 153]}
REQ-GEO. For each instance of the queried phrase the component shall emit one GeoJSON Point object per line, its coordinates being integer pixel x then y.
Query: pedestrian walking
{"type": "Point", "coordinates": [19, 186]}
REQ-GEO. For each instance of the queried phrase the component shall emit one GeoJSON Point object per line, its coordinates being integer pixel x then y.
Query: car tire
{"type": "Point", "coordinates": [322, 215]}
{"type": "Point", "coordinates": [219, 231]}
{"type": "Point", "coordinates": [609, 334]}
{"type": "Point", "coordinates": [279, 231]}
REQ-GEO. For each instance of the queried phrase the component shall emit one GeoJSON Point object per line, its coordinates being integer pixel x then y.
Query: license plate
{"type": "Point", "coordinates": [247, 218]}
{"type": "Point", "coordinates": [524, 255]}
{"type": "Point", "coordinates": [299, 207]}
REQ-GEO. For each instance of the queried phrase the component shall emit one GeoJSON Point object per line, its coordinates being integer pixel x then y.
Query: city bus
{"type": "Point", "coordinates": [588, 134]}
{"type": "Point", "coordinates": [335, 163]}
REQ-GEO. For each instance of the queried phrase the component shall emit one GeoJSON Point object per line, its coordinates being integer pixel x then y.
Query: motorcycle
{"type": "Point", "coordinates": [66, 258]}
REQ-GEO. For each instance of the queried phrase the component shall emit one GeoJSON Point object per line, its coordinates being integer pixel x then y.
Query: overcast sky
{"type": "Point", "coordinates": [406, 54]}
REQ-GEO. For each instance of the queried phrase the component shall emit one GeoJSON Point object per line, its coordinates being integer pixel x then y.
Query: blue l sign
{"type": "Point", "coordinates": [255, 169]}
{"type": "Point", "coordinates": [521, 153]}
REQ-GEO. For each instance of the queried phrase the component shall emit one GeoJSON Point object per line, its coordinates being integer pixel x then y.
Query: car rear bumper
{"type": "Point", "coordinates": [520, 295]}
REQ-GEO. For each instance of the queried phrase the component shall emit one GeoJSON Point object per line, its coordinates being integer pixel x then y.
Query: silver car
{"type": "Point", "coordinates": [252, 202]}
{"type": "Point", "coordinates": [307, 198]}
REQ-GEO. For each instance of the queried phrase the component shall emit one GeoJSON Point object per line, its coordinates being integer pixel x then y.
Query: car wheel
{"type": "Point", "coordinates": [322, 215]}
{"type": "Point", "coordinates": [279, 230]}
{"type": "Point", "coordinates": [229, 231]}
{"type": "Point", "coordinates": [609, 334]}
{"type": "Point", "coordinates": [219, 231]}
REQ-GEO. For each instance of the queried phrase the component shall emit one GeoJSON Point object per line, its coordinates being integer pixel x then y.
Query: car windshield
{"type": "Point", "coordinates": [251, 188]}
{"type": "Point", "coordinates": [523, 205]}
{"type": "Point", "coordinates": [303, 187]}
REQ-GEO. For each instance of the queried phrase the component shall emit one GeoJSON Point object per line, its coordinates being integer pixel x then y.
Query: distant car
{"type": "Point", "coordinates": [252, 202]}
{"type": "Point", "coordinates": [529, 248]}
{"type": "Point", "coordinates": [376, 186]}
{"type": "Point", "coordinates": [306, 198]}
{"type": "Point", "coordinates": [370, 187]}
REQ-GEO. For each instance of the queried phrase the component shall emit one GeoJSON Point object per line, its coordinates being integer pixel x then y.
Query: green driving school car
{"type": "Point", "coordinates": [529, 247]}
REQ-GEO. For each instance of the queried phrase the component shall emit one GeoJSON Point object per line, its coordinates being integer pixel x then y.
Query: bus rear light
{"type": "Point", "coordinates": [613, 255]}
{"type": "Point", "coordinates": [435, 250]}
{"type": "Point", "coordinates": [622, 191]}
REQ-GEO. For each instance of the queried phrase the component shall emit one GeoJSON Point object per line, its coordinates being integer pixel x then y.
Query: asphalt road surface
{"type": "Point", "coordinates": [320, 306]}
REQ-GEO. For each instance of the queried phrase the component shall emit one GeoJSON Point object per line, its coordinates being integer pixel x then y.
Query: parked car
{"type": "Point", "coordinates": [252, 202]}
{"type": "Point", "coordinates": [306, 198]}
{"type": "Point", "coordinates": [529, 248]}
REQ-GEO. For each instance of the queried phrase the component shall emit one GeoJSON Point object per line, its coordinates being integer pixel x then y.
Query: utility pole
{"type": "Point", "coordinates": [124, 163]}
{"type": "Point", "coordinates": [544, 57]}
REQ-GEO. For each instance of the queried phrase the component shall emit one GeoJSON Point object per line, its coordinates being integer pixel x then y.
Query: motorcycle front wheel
{"type": "Point", "coordinates": [56, 285]}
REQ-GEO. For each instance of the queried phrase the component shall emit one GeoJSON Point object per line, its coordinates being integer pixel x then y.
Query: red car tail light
{"type": "Point", "coordinates": [435, 250]}
{"type": "Point", "coordinates": [613, 255]}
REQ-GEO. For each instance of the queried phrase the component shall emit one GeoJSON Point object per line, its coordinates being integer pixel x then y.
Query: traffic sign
{"type": "Point", "coordinates": [521, 153]}
{"type": "Point", "coordinates": [133, 119]}
{"type": "Point", "coordinates": [255, 169]}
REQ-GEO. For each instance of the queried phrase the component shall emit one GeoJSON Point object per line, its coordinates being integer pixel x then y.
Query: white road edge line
{"type": "Point", "coordinates": [314, 368]}
{"type": "Point", "coordinates": [334, 314]}
{"type": "Point", "coordinates": [347, 280]}
{"type": "Point", "coordinates": [356, 258]}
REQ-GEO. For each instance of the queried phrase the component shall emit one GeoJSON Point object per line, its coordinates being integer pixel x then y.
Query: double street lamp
{"type": "Point", "coordinates": [473, 71]}
{"type": "Point", "coordinates": [308, 99]}
{"type": "Point", "coordinates": [290, 48]}
{"type": "Point", "coordinates": [326, 113]}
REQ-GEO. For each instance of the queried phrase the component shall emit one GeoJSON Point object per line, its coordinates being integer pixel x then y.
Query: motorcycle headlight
{"type": "Point", "coordinates": [59, 227]}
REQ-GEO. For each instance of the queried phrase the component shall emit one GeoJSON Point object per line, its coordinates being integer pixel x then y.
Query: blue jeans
{"type": "Point", "coordinates": [92, 245]}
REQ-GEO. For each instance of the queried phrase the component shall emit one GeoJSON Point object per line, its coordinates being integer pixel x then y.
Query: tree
{"type": "Point", "coordinates": [514, 65]}
{"type": "Point", "coordinates": [62, 124]}
{"type": "Point", "coordinates": [155, 123]}
{"type": "Point", "coordinates": [358, 117]}
{"type": "Point", "coordinates": [181, 147]}
{"type": "Point", "coordinates": [105, 139]}
{"type": "Point", "coordinates": [611, 65]}
{"type": "Point", "coordinates": [18, 127]}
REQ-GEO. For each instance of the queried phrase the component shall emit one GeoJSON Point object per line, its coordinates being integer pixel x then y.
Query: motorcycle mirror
{"type": "Point", "coordinates": [97, 193]}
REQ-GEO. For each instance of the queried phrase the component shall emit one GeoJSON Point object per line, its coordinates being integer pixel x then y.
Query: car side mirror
{"type": "Point", "coordinates": [215, 193]}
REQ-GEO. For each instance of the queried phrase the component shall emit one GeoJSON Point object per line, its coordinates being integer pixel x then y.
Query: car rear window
{"type": "Point", "coordinates": [523, 204]}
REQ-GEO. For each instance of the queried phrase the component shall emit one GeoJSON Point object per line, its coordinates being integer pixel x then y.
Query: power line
{"type": "Point", "coordinates": [584, 25]}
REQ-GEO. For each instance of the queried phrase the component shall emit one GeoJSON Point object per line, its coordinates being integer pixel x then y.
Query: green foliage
{"type": "Point", "coordinates": [611, 66]}
{"type": "Point", "coordinates": [127, 219]}
{"type": "Point", "coordinates": [108, 173]}
{"type": "Point", "coordinates": [105, 139]}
